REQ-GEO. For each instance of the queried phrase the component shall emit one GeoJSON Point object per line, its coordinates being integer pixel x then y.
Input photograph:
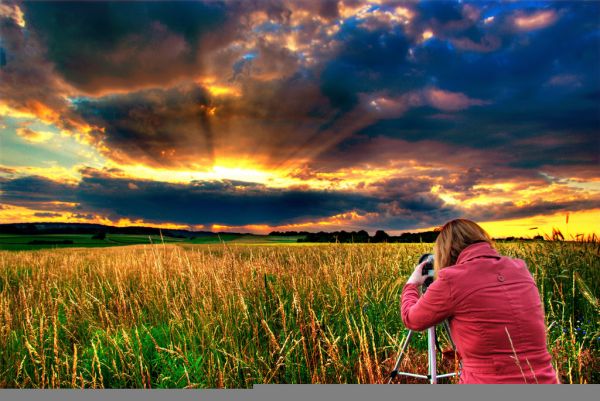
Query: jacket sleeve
{"type": "Point", "coordinates": [433, 307]}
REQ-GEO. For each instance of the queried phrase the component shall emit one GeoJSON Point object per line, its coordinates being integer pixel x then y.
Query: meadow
{"type": "Point", "coordinates": [178, 315]}
{"type": "Point", "coordinates": [14, 242]}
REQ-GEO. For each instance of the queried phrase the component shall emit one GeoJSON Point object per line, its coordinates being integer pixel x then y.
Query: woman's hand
{"type": "Point", "coordinates": [417, 276]}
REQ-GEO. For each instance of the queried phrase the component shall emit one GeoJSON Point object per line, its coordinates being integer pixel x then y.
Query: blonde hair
{"type": "Point", "coordinates": [455, 236]}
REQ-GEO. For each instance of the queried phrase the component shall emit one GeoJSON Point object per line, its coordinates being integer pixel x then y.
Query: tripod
{"type": "Point", "coordinates": [432, 375]}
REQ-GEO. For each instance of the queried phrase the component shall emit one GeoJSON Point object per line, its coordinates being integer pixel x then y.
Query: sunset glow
{"type": "Point", "coordinates": [303, 116]}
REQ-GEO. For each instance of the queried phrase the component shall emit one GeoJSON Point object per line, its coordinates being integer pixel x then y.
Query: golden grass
{"type": "Point", "coordinates": [235, 315]}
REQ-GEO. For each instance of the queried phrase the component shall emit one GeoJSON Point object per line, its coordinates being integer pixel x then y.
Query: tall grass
{"type": "Point", "coordinates": [232, 316]}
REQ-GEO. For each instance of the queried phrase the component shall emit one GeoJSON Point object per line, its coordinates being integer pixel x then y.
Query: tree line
{"type": "Point", "coordinates": [358, 236]}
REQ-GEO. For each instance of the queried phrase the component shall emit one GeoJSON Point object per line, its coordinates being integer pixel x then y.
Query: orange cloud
{"type": "Point", "coordinates": [428, 34]}
{"type": "Point", "coordinates": [538, 20]}
{"type": "Point", "coordinates": [387, 19]}
{"type": "Point", "coordinates": [14, 13]}
{"type": "Point", "coordinates": [38, 111]}
{"type": "Point", "coordinates": [19, 214]}
{"type": "Point", "coordinates": [52, 172]}
{"type": "Point", "coordinates": [34, 136]}
{"type": "Point", "coordinates": [451, 101]}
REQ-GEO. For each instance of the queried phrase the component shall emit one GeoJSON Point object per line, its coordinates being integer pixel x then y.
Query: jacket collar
{"type": "Point", "coordinates": [477, 250]}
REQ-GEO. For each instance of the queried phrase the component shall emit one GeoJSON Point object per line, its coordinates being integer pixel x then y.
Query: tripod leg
{"type": "Point", "coordinates": [431, 352]}
{"type": "Point", "coordinates": [394, 372]}
{"type": "Point", "coordinates": [447, 328]}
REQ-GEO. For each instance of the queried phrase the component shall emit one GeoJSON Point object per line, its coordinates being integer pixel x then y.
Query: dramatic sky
{"type": "Point", "coordinates": [302, 115]}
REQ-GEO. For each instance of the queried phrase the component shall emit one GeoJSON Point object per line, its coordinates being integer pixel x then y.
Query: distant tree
{"type": "Point", "coordinates": [361, 236]}
{"type": "Point", "coordinates": [288, 233]}
{"type": "Point", "coordinates": [538, 238]}
{"type": "Point", "coordinates": [381, 236]}
{"type": "Point", "coordinates": [425, 236]}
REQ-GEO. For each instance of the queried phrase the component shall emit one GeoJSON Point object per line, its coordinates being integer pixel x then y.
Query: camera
{"type": "Point", "coordinates": [427, 268]}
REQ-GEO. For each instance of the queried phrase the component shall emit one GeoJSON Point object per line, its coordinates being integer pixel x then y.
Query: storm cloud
{"type": "Point", "coordinates": [216, 202]}
{"type": "Point", "coordinates": [100, 46]}
{"type": "Point", "coordinates": [394, 204]}
{"type": "Point", "coordinates": [448, 102]}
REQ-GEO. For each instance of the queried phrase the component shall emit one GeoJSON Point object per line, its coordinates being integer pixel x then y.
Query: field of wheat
{"type": "Point", "coordinates": [204, 316]}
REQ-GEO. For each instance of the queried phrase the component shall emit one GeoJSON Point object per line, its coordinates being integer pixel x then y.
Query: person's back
{"type": "Point", "coordinates": [498, 319]}
{"type": "Point", "coordinates": [494, 310]}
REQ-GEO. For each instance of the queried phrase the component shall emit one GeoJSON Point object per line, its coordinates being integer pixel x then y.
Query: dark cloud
{"type": "Point", "coordinates": [318, 106]}
{"type": "Point", "coordinates": [397, 215]}
{"type": "Point", "coordinates": [368, 61]}
{"type": "Point", "coordinates": [226, 202]}
{"type": "Point", "coordinates": [104, 45]}
{"type": "Point", "coordinates": [185, 127]}
{"type": "Point", "coordinates": [512, 76]}
{"type": "Point", "coordinates": [222, 202]}
{"type": "Point", "coordinates": [155, 126]}
{"type": "Point", "coordinates": [28, 82]}
{"type": "Point", "coordinates": [34, 189]}
{"type": "Point", "coordinates": [393, 204]}
{"type": "Point", "coordinates": [509, 210]}
{"type": "Point", "coordinates": [86, 216]}
{"type": "Point", "coordinates": [47, 214]}
{"type": "Point", "coordinates": [38, 193]}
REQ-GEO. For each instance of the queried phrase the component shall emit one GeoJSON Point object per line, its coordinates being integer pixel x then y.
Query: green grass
{"type": "Point", "coordinates": [21, 242]}
{"type": "Point", "coordinates": [244, 239]}
{"type": "Point", "coordinates": [232, 315]}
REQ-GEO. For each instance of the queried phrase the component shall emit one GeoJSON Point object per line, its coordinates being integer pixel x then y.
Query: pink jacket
{"type": "Point", "coordinates": [490, 301]}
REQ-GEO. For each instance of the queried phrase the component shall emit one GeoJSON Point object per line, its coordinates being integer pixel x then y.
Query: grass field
{"type": "Point", "coordinates": [232, 315]}
{"type": "Point", "coordinates": [51, 241]}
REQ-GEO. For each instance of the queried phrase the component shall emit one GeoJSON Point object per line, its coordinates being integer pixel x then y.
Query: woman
{"type": "Point", "coordinates": [493, 306]}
